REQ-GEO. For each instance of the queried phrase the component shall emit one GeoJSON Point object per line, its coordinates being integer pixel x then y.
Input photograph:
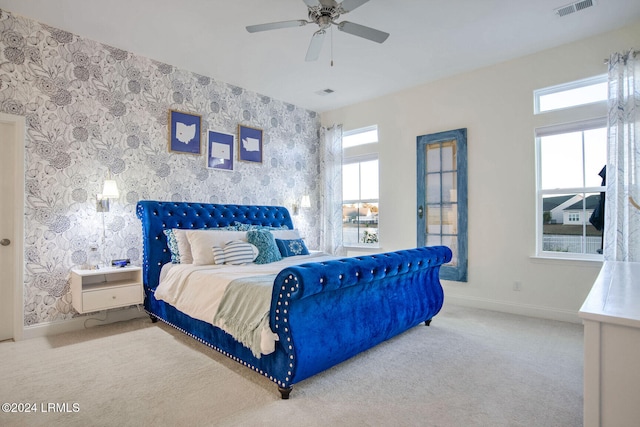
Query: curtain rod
{"type": "Point", "coordinates": [632, 52]}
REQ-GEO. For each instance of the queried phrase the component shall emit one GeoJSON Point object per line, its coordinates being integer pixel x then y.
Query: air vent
{"type": "Point", "coordinates": [574, 7]}
{"type": "Point", "coordinates": [325, 92]}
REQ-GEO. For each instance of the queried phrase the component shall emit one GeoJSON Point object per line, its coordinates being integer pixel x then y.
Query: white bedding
{"type": "Point", "coordinates": [197, 290]}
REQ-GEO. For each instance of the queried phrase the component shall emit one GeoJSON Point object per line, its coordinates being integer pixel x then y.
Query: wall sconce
{"type": "Point", "coordinates": [109, 191]}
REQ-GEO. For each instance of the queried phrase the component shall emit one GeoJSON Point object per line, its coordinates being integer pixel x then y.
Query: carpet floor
{"type": "Point", "coordinates": [471, 367]}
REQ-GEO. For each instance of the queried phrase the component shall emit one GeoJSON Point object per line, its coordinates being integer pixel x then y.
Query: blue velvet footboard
{"type": "Point", "coordinates": [323, 313]}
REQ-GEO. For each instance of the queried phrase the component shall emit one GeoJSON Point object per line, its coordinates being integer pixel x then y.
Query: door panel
{"type": "Point", "coordinates": [7, 228]}
{"type": "Point", "coordinates": [442, 197]}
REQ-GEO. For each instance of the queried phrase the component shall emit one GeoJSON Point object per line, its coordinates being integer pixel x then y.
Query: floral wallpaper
{"type": "Point", "coordinates": [94, 111]}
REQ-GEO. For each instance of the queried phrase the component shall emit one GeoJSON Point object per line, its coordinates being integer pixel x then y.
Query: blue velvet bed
{"type": "Point", "coordinates": [322, 312]}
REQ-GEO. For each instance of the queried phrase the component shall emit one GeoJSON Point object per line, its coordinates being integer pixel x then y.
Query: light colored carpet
{"type": "Point", "coordinates": [469, 368]}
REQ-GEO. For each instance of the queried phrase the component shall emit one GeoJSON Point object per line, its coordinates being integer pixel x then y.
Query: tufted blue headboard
{"type": "Point", "coordinates": [158, 216]}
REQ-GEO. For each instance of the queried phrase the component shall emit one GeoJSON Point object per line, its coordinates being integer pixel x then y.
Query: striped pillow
{"type": "Point", "coordinates": [237, 252]}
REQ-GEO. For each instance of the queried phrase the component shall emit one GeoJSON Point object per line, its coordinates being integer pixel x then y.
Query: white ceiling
{"type": "Point", "coordinates": [430, 39]}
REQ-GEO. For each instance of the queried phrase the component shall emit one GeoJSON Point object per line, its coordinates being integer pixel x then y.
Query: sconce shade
{"type": "Point", "coordinates": [110, 190]}
{"type": "Point", "coordinates": [305, 202]}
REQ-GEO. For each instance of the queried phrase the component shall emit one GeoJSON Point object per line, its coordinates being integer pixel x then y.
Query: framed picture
{"type": "Point", "coordinates": [184, 132]}
{"type": "Point", "coordinates": [220, 150]}
{"type": "Point", "coordinates": [249, 144]}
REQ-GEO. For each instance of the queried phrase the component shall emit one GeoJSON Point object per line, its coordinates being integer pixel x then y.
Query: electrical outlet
{"type": "Point", "coordinates": [517, 285]}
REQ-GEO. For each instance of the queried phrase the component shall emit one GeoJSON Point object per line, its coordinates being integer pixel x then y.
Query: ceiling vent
{"type": "Point", "coordinates": [324, 92]}
{"type": "Point", "coordinates": [574, 7]}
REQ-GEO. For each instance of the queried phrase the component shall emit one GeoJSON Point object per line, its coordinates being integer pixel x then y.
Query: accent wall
{"type": "Point", "coordinates": [95, 111]}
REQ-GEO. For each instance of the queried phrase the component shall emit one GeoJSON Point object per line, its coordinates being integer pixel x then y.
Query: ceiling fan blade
{"type": "Point", "coordinates": [311, 3]}
{"type": "Point", "coordinates": [349, 5]}
{"type": "Point", "coordinates": [276, 25]}
{"type": "Point", "coordinates": [362, 31]}
{"type": "Point", "coordinates": [315, 46]}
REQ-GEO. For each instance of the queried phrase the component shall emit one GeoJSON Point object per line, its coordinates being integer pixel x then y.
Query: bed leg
{"type": "Point", "coordinates": [153, 318]}
{"type": "Point", "coordinates": [427, 322]}
{"type": "Point", "coordinates": [284, 392]}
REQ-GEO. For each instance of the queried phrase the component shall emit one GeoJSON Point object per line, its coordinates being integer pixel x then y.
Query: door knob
{"type": "Point", "coordinates": [420, 212]}
{"type": "Point", "coordinates": [5, 242]}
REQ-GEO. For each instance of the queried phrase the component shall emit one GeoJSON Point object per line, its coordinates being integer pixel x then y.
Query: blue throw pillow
{"type": "Point", "coordinates": [266, 244]}
{"type": "Point", "coordinates": [292, 247]}
{"type": "Point", "coordinates": [172, 243]}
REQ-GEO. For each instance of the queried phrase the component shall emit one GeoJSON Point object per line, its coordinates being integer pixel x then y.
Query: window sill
{"type": "Point", "coordinates": [547, 259]}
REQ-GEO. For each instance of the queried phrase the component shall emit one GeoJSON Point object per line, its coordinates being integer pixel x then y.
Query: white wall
{"type": "Point", "coordinates": [495, 104]}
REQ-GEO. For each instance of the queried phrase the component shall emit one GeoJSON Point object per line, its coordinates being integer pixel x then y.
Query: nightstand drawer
{"type": "Point", "coordinates": [102, 299]}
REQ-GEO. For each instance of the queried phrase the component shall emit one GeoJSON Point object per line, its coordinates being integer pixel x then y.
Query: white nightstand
{"type": "Point", "coordinates": [95, 290]}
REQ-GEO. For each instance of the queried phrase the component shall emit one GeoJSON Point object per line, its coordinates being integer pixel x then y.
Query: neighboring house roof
{"type": "Point", "coordinates": [550, 203]}
{"type": "Point", "coordinates": [592, 202]}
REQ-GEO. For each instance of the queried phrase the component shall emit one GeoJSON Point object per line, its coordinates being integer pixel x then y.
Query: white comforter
{"type": "Point", "coordinates": [197, 290]}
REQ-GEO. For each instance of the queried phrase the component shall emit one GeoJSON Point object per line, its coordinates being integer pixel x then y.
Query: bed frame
{"type": "Point", "coordinates": [322, 312]}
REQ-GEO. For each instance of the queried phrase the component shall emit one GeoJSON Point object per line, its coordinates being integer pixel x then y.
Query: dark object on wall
{"type": "Point", "coordinates": [597, 217]}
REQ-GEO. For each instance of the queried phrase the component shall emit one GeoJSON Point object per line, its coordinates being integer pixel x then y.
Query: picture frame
{"type": "Point", "coordinates": [220, 148]}
{"type": "Point", "coordinates": [249, 144]}
{"type": "Point", "coordinates": [184, 132]}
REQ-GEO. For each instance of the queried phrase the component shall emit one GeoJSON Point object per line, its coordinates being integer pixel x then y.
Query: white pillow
{"type": "Point", "coordinates": [285, 234]}
{"type": "Point", "coordinates": [236, 252]}
{"type": "Point", "coordinates": [202, 242]}
{"type": "Point", "coordinates": [184, 248]}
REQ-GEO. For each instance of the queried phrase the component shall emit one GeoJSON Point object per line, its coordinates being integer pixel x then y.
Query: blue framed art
{"type": "Point", "coordinates": [249, 144]}
{"type": "Point", "coordinates": [220, 150]}
{"type": "Point", "coordinates": [184, 132]}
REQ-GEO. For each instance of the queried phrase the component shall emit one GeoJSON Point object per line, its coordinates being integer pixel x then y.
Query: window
{"type": "Point", "coordinates": [353, 138]}
{"type": "Point", "coordinates": [360, 201]}
{"type": "Point", "coordinates": [572, 94]}
{"type": "Point", "coordinates": [360, 189]}
{"type": "Point", "coordinates": [571, 161]}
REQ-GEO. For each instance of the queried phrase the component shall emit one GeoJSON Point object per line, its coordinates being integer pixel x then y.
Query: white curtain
{"type": "Point", "coordinates": [622, 212]}
{"type": "Point", "coordinates": [331, 190]}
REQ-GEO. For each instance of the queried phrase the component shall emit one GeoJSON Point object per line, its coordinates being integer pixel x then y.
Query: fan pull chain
{"type": "Point", "coordinates": [331, 29]}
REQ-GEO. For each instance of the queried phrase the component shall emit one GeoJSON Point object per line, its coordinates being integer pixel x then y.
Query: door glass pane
{"type": "Point", "coordinates": [449, 156]}
{"type": "Point", "coordinates": [449, 219]}
{"type": "Point", "coordinates": [433, 220]}
{"type": "Point", "coordinates": [433, 240]}
{"type": "Point", "coordinates": [452, 243]}
{"type": "Point", "coordinates": [449, 193]}
{"type": "Point", "coordinates": [433, 188]}
{"type": "Point", "coordinates": [433, 158]}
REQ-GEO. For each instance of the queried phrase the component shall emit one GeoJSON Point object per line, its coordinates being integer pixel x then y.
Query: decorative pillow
{"type": "Point", "coordinates": [266, 244]}
{"type": "Point", "coordinates": [183, 246]}
{"type": "Point", "coordinates": [172, 243]}
{"type": "Point", "coordinates": [202, 242]}
{"type": "Point", "coordinates": [218, 255]}
{"type": "Point", "coordinates": [241, 226]}
{"type": "Point", "coordinates": [292, 247]}
{"type": "Point", "coordinates": [238, 252]}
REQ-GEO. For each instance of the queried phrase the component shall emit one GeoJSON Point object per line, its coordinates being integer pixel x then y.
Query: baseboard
{"type": "Point", "coordinates": [515, 308]}
{"type": "Point", "coordinates": [78, 323]}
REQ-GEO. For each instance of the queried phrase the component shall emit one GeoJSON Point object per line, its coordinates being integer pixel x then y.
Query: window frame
{"type": "Point", "coordinates": [360, 153]}
{"type": "Point", "coordinates": [577, 126]}
{"type": "Point", "coordinates": [577, 84]}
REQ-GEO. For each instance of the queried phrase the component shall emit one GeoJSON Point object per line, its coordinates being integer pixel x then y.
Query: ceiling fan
{"type": "Point", "coordinates": [325, 13]}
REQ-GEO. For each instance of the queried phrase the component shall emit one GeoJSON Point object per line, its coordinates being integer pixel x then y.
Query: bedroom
{"type": "Point", "coordinates": [493, 102]}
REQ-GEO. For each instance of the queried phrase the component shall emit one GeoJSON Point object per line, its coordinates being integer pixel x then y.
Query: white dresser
{"type": "Point", "coordinates": [611, 318]}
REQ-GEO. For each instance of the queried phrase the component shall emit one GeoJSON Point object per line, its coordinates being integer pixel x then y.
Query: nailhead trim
{"type": "Point", "coordinates": [284, 383]}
